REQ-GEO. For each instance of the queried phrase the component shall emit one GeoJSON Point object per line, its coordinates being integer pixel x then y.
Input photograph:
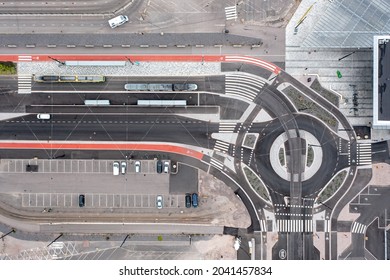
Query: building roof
{"type": "Point", "coordinates": [381, 90]}
{"type": "Point", "coordinates": [350, 24]}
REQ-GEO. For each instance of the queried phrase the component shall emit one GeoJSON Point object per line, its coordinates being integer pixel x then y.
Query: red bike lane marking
{"type": "Point", "coordinates": [101, 146]}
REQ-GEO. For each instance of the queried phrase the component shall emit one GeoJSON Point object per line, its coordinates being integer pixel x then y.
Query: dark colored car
{"type": "Point", "coordinates": [81, 200]}
{"type": "Point", "coordinates": [159, 166]}
{"type": "Point", "coordinates": [195, 200]}
{"type": "Point", "coordinates": [188, 200]}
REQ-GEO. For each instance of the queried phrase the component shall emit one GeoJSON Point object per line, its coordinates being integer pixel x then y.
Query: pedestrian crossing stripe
{"type": "Point", "coordinates": [221, 146]}
{"type": "Point", "coordinates": [358, 228]}
{"type": "Point", "coordinates": [217, 164]}
{"type": "Point", "coordinates": [294, 225]}
{"type": "Point", "coordinates": [364, 153]}
{"type": "Point", "coordinates": [231, 12]}
{"type": "Point", "coordinates": [24, 84]}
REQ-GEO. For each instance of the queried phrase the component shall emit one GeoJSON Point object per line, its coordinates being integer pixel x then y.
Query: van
{"type": "Point", "coordinates": [117, 21]}
{"type": "Point", "coordinates": [43, 116]}
{"type": "Point", "coordinates": [115, 168]}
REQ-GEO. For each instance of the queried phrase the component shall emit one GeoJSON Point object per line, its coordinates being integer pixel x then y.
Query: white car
{"type": "Point", "coordinates": [166, 167]}
{"type": "Point", "coordinates": [137, 166]}
{"type": "Point", "coordinates": [123, 167]}
{"type": "Point", "coordinates": [115, 168]}
{"type": "Point", "coordinates": [159, 202]}
{"type": "Point", "coordinates": [43, 116]}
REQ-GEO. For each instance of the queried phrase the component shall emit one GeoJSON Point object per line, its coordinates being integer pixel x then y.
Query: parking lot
{"type": "Point", "coordinates": [71, 166]}
{"type": "Point", "coordinates": [56, 184]}
{"type": "Point", "coordinates": [99, 200]}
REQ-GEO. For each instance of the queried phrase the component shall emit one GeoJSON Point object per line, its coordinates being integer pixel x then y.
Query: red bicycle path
{"type": "Point", "coordinates": [101, 146]}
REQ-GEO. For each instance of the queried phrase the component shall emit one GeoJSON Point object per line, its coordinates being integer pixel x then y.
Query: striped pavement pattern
{"type": "Point", "coordinates": [243, 85]}
{"type": "Point", "coordinates": [24, 84]}
{"type": "Point", "coordinates": [263, 225]}
{"type": "Point", "coordinates": [327, 226]}
{"type": "Point", "coordinates": [221, 146]}
{"type": "Point", "coordinates": [24, 58]}
{"type": "Point", "coordinates": [231, 12]}
{"type": "Point", "coordinates": [217, 164]}
{"type": "Point", "coordinates": [358, 228]}
{"type": "Point", "coordinates": [227, 127]}
{"type": "Point", "coordinates": [364, 154]}
{"type": "Point", "coordinates": [252, 60]}
{"type": "Point", "coordinates": [294, 225]}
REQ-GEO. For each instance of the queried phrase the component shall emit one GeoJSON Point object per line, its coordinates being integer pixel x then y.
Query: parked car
{"type": "Point", "coordinates": [166, 167]}
{"type": "Point", "coordinates": [115, 168]}
{"type": "Point", "coordinates": [137, 165]}
{"type": "Point", "coordinates": [195, 200]}
{"type": "Point", "coordinates": [159, 202]}
{"type": "Point", "coordinates": [159, 166]}
{"type": "Point", "coordinates": [81, 200]}
{"type": "Point", "coordinates": [188, 200]}
{"type": "Point", "coordinates": [123, 167]}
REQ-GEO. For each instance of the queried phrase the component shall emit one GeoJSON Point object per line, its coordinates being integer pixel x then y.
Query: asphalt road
{"type": "Point", "coordinates": [111, 128]}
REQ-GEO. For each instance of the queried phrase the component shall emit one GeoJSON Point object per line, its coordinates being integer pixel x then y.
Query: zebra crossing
{"type": "Point", "coordinates": [24, 84]}
{"type": "Point", "coordinates": [215, 163]}
{"type": "Point", "coordinates": [244, 85]}
{"type": "Point", "coordinates": [364, 154]}
{"type": "Point", "coordinates": [231, 12]}
{"type": "Point", "coordinates": [221, 146]}
{"type": "Point", "coordinates": [294, 225]}
{"type": "Point", "coordinates": [227, 127]}
{"type": "Point", "coordinates": [358, 228]}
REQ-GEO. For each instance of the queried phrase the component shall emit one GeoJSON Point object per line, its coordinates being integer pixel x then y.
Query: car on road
{"type": "Point", "coordinates": [81, 200]}
{"type": "Point", "coordinates": [137, 165]}
{"type": "Point", "coordinates": [188, 200]}
{"type": "Point", "coordinates": [159, 166]}
{"type": "Point", "coordinates": [195, 200]}
{"type": "Point", "coordinates": [159, 202]}
{"type": "Point", "coordinates": [166, 167]}
{"type": "Point", "coordinates": [115, 168]}
{"type": "Point", "coordinates": [43, 116]}
{"type": "Point", "coordinates": [117, 21]}
{"type": "Point", "coordinates": [123, 167]}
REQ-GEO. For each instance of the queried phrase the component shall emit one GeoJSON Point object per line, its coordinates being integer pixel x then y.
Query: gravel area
{"type": "Point", "coordinates": [138, 69]}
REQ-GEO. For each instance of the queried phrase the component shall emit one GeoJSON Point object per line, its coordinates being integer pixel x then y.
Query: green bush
{"type": "Point", "coordinates": [7, 68]}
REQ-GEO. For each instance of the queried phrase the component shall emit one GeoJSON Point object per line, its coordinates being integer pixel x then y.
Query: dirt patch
{"type": "Point", "coordinates": [227, 209]}
{"type": "Point", "coordinates": [217, 248]}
